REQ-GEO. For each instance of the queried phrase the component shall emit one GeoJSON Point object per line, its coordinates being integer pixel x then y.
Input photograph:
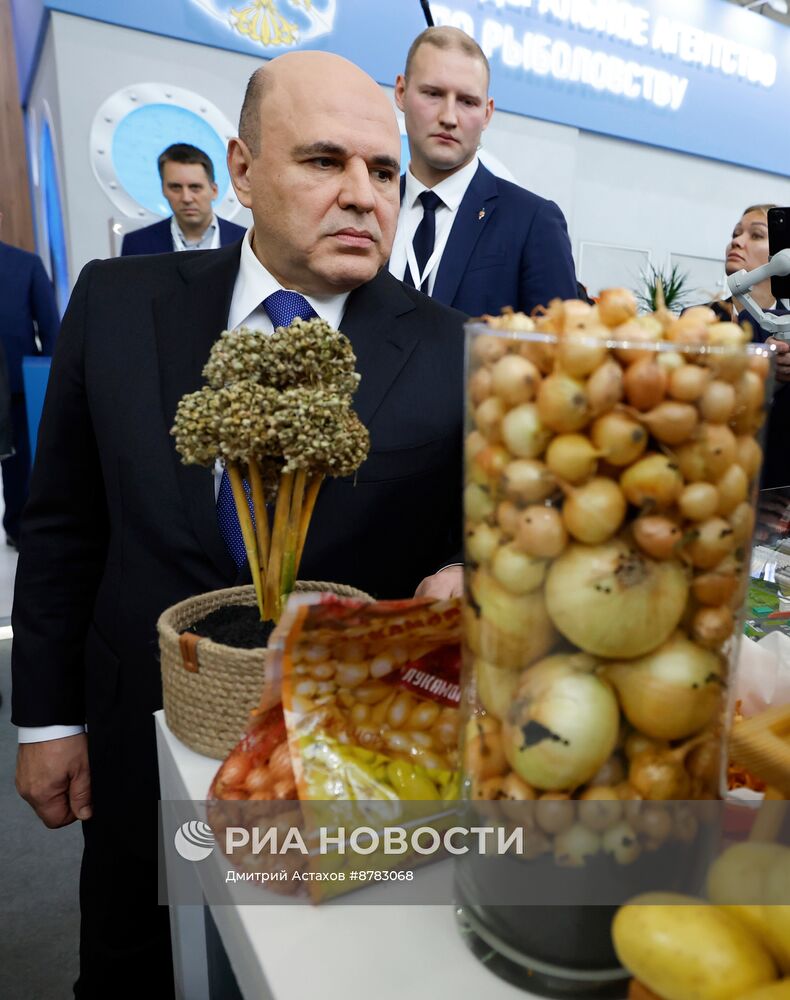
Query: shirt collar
{"type": "Point", "coordinates": [178, 234]}
{"type": "Point", "coordinates": [254, 284]}
{"type": "Point", "coordinates": [451, 190]}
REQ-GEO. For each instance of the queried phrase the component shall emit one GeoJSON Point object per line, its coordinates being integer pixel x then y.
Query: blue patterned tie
{"type": "Point", "coordinates": [425, 237]}
{"type": "Point", "coordinates": [282, 308]}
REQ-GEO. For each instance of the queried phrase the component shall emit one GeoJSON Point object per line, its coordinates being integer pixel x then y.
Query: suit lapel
{"type": "Point", "coordinates": [188, 321]}
{"type": "Point", "coordinates": [382, 345]}
{"type": "Point", "coordinates": [474, 214]}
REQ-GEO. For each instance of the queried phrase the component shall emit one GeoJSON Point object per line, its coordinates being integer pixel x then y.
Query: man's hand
{"type": "Point", "coordinates": [448, 582]}
{"type": "Point", "coordinates": [53, 776]}
{"type": "Point", "coordinates": [782, 358]}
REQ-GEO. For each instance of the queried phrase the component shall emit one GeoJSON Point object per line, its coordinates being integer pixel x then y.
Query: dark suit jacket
{"type": "Point", "coordinates": [157, 238]}
{"type": "Point", "coordinates": [507, 247]}
{"type": "Point", "coordinates": [27, 303]}
{"type": "Point", "coordinates": [117, 529]}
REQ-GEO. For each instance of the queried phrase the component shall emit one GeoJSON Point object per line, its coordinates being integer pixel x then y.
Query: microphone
{"type": "Point", "coordinates": [426, 9]}
{"type": "Point", "coordinates": [741, 282]}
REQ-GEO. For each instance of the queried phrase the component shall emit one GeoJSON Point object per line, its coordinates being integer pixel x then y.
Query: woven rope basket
{"type": "Point", "coordinates": [207, 704]}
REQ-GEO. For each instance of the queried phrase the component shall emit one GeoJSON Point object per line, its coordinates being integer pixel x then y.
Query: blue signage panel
{"type": "Point", "coordinates": [700, 76]}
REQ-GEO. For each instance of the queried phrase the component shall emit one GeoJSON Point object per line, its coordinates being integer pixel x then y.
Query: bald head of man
{"type": "Point", "coordinates": [317, 162]}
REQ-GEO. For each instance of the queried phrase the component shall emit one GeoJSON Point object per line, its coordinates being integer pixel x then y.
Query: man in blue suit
{"type": "Point", "coordinates": [29, 324]}
{"type": "Point", "coordinates": [466, 237]}
{"type": "Point", "coordinates": [188, 184]}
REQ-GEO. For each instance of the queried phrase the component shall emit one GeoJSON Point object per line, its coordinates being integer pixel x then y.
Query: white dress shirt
{"type": "Point", "coordinates": [208, 241]}
{"type": "Point", "coordinates": [253, 285]}
{"type": "Point", "coordinates": [451, 191]}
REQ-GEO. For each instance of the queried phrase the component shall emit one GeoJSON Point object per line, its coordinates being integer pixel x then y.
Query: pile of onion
{"type": "Point", "coordinates": [611, 472]}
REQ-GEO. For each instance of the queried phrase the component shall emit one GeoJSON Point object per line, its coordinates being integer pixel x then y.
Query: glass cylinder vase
{"type": "Point", "coordinates": [611, 469]}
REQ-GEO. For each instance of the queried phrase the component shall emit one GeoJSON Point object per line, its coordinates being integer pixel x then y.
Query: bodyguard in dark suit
{"type": "Point", "coordinates": [118, 529]}
{"type": "Point", "coordinates": [188, 184]}
{"type": "Point", "coordinates": [465, 236]}
{"type": "Point", "coordinates": [27, 311]}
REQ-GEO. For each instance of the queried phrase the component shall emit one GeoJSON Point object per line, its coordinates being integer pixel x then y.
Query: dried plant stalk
{"type": "Point", "coordinates": [247, 528]}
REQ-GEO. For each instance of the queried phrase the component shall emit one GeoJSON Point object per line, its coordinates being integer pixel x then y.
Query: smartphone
{"type": "Point", "coordinates": [779, 239]}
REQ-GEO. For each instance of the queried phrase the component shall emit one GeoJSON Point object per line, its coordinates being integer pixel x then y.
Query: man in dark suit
{"type": "Point", "coordinates": [117, 529]}
{"type": "Point", "coordinates": [465, 236]}
{"type": "Point", "coordinates": [188, 184]}
{"type": "Point", "coordinates": [27, 312]}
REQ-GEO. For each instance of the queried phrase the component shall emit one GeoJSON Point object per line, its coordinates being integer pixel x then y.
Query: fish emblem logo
{"type": "Point", "coordinates": [275, 24]}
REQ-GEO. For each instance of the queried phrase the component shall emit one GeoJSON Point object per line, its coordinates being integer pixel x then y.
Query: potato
{"type": "Point", "coordinates": [773, 991]}
{"type": "Point", "coordinates": [684, 949]}
{"type": "Point", "coordinates": [752, 881]}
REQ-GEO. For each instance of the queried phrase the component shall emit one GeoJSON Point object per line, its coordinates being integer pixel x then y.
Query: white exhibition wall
{"type": "Point", "coordinates": [625, 203]}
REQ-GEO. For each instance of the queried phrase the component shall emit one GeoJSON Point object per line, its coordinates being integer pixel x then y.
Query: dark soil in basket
{"type": "Point", "coordinates": [234, 625]}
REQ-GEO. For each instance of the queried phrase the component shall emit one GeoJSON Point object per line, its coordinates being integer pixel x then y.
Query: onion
{"type": "Point", "coordinates": [488, 349]}
{"type": "Point", "coordinates": [559, 738]}
{"type": "Point", "coordinates": [605, 387]}
{"type": "Point", "coordinates": [710, 455]}
{"type": "Point", "coordinates": [495, 687]}
{"type": "Point", "coordinates": [508, 516]}
{"type": "Point", "coordinates": [635, 333]}
{"type": "Point", "coordinates": [488, 418]}
{"type": "Point", "coordinates": [478, 504]}
{"type": "Point", "coordinates": [579, 356]}
{"type": "Point", "coordinates": [669, 361]}
{"type": "Point", "coordinates": [760, 364]}
{"type": "Point", "coordinates": [657, 536]}
{"type": "Point", "coordinates": [515, 380]}
{"type": "Point", "coordinates": [742, 520]}
{"type": "Point", "coordinates": [611, 773]}
{"type": "Point", "coordinates": [688, 383]}
{"type": "Point", "coordinates": [731, 362]}
{"type": "Point", "coordinates": [699, 501]}
{"type": "Point", "coordinates": [600, 808]}
{"type": "Point", "coordinates": [616, 306]}
{"type": "Point", "coordinates": [750, 391]}
{"type": "Point", "coordinates": [534, 681]}
{"type": "Point", "coordinates": [555, 812]}
{"type": "Point", "coordinates": [577, 314]}
{"type": "Point", "coordinates": [654, 823]}
{"type": "Point", "coordinates": [749, 454]}
{"type": "Point", "coordinates": [592, 513]}
{"type": "Point", "coordinates": [508, 630]}
{"type": "Point", "coordinates": [717, 586]}
{"type": "Point", "coordinates": [618, 438]}
{"type": "Point", "coordinates": [480, 385]}
{"type": "Point", "coordinates": [671, 422]}
{"type": "Point", "coordinates": [517, 572]}
{"type": "Point", "coordinates": [611, 601]}
{"type": "Point", "coordinates": [710, 627]}
{"type": "Point", "coordinates": [645, 384]}
{"type": "Point", "coordinates": [541, 532]}
{"type": "Point", "coordinates": [483, 750]}
{"type": "Point", "coordinates": [474, 443]}
{"type": "Point", "coordinates": [573, 847]}
{"type": "Point", "coordinates": [622, 842]}
{"type": "Point", "coordinates": [482, 542]}
{"type": "Point", "coordinates": [659, 776]}
{"type": "Point", "coordinates": [526, 480]}
{"type": "Point", "coordinates": [637, 742]}
{"type": "Point", "coordinates": [523, 432]}
{"type": "Point", "coordinates": [488, 464]}
{"type": "Point", "coordinates": [653, 481]}
{"type": "Point", "coordinates": [562, 403]}
{"type": "Point", "coordinates": [714, 539]}
{"type": "Point", "coordinates": [733, 489]}
{"type": "Point", "coordinates": [572, 457]}
{"type": "Point", "coordinates": [671, 692]}
{"type": "Point", "coordinates": [718, 402]}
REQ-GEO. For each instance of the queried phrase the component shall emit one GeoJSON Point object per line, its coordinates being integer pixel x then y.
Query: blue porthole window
{"type": "Point", "coordinates": [131, 129]}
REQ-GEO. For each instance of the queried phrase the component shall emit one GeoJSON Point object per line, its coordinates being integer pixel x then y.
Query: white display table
{"type": "Point", "coordinates": [338, 952]}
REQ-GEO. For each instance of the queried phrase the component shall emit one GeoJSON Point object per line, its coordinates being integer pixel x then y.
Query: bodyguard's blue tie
{"type": "Point", "coordinates": [424, 238]}
{"type": "Point", "coordinates": [282, 308]}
